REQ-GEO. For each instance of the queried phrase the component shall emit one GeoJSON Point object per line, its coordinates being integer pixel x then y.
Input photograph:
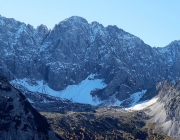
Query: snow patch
{"type": "Point", "coordinates": [136, 97]}
{"type": "Point", "coordinates": [143, 105]}
{"type": "Point", "coordinates": [44, 46]}
{"type": "Point", "coordinates": [133, 99]}
{"type": "Point", "coordinates": [81, 93]}
{"type": "Point", "coordinates": [77, 93]}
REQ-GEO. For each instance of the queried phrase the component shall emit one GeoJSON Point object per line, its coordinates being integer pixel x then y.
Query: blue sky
{"type": "Point", "coordinates": [156, 22]}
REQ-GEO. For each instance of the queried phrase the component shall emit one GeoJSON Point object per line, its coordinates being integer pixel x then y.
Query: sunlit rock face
{"type": "Point", "coordinates": [74, 49]}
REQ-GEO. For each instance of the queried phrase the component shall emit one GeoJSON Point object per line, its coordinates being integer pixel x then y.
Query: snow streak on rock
{"type": "Point", "coordinates": [142, 105]}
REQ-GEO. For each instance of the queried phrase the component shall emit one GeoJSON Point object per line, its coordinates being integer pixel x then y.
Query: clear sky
{"type": "Point", "coordinates": [156, 22]}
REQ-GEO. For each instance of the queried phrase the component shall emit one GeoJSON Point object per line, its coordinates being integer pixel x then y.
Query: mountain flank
{"type": "Point", "coordinates": [18, 119]}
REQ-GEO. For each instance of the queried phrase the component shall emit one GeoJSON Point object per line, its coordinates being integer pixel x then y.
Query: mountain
{"type": "Point", "coordinates": [80, 66]}
{"type": "Point", "coordinates": [18, 119]}
{"type": "Point", "coordinates": [75, 49]}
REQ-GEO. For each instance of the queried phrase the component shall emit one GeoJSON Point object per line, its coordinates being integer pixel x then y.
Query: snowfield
{"type": "Point", "coordinates": [76, 93]}
{"type": "Point", "coordinates": [81, 93]}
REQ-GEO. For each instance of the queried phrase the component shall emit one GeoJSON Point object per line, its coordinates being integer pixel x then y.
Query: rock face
{"type": "Point", "coordinates": [166, 110]}
{"type": "Point", "coordinates": [74, 49]}
{"type": "Point", "coordinates": [18, 119]}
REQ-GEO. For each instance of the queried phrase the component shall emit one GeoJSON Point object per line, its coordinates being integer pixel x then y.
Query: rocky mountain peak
{"type": "Point", "coordinates": [42, 31]}
{"type": "Point", "coordinates": [95, 25]}
{"type": "Point", "coordinates": [175, 42]}
{"type": "Point", "coordinates": [74, 22]}
{"type": "Point", "coordinates": [74, 49]}
{"type": "Point", "coordinates": [75, 19]}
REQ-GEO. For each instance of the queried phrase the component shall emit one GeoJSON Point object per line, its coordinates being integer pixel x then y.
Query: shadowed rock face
{"type": "Point", "coordinates": [18, 119]}
{"type": "Point", "coordinates": [74, 49]}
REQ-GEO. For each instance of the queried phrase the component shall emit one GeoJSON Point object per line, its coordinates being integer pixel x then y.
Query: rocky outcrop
{"type": "Point", "coordinates": [74, 49]}
{"type": "Point", "coordinates": [18, 119]}
{"type": "Point", "coordinates": [166, 110]}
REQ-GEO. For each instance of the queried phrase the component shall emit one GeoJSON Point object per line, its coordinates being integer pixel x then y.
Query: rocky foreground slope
{"type": "Point", "coordinates": [18, 119]}
{"type": "Point", "coordinates": [110, 123]}
{"type": "Point", "coordinates": [74, 49]}
{"type": "Point", "coordinates": [166, 110]}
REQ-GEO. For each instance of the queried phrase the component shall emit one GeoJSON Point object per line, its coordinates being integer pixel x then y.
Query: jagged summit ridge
{"type": "Point", "coordinates": [75, 19]}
